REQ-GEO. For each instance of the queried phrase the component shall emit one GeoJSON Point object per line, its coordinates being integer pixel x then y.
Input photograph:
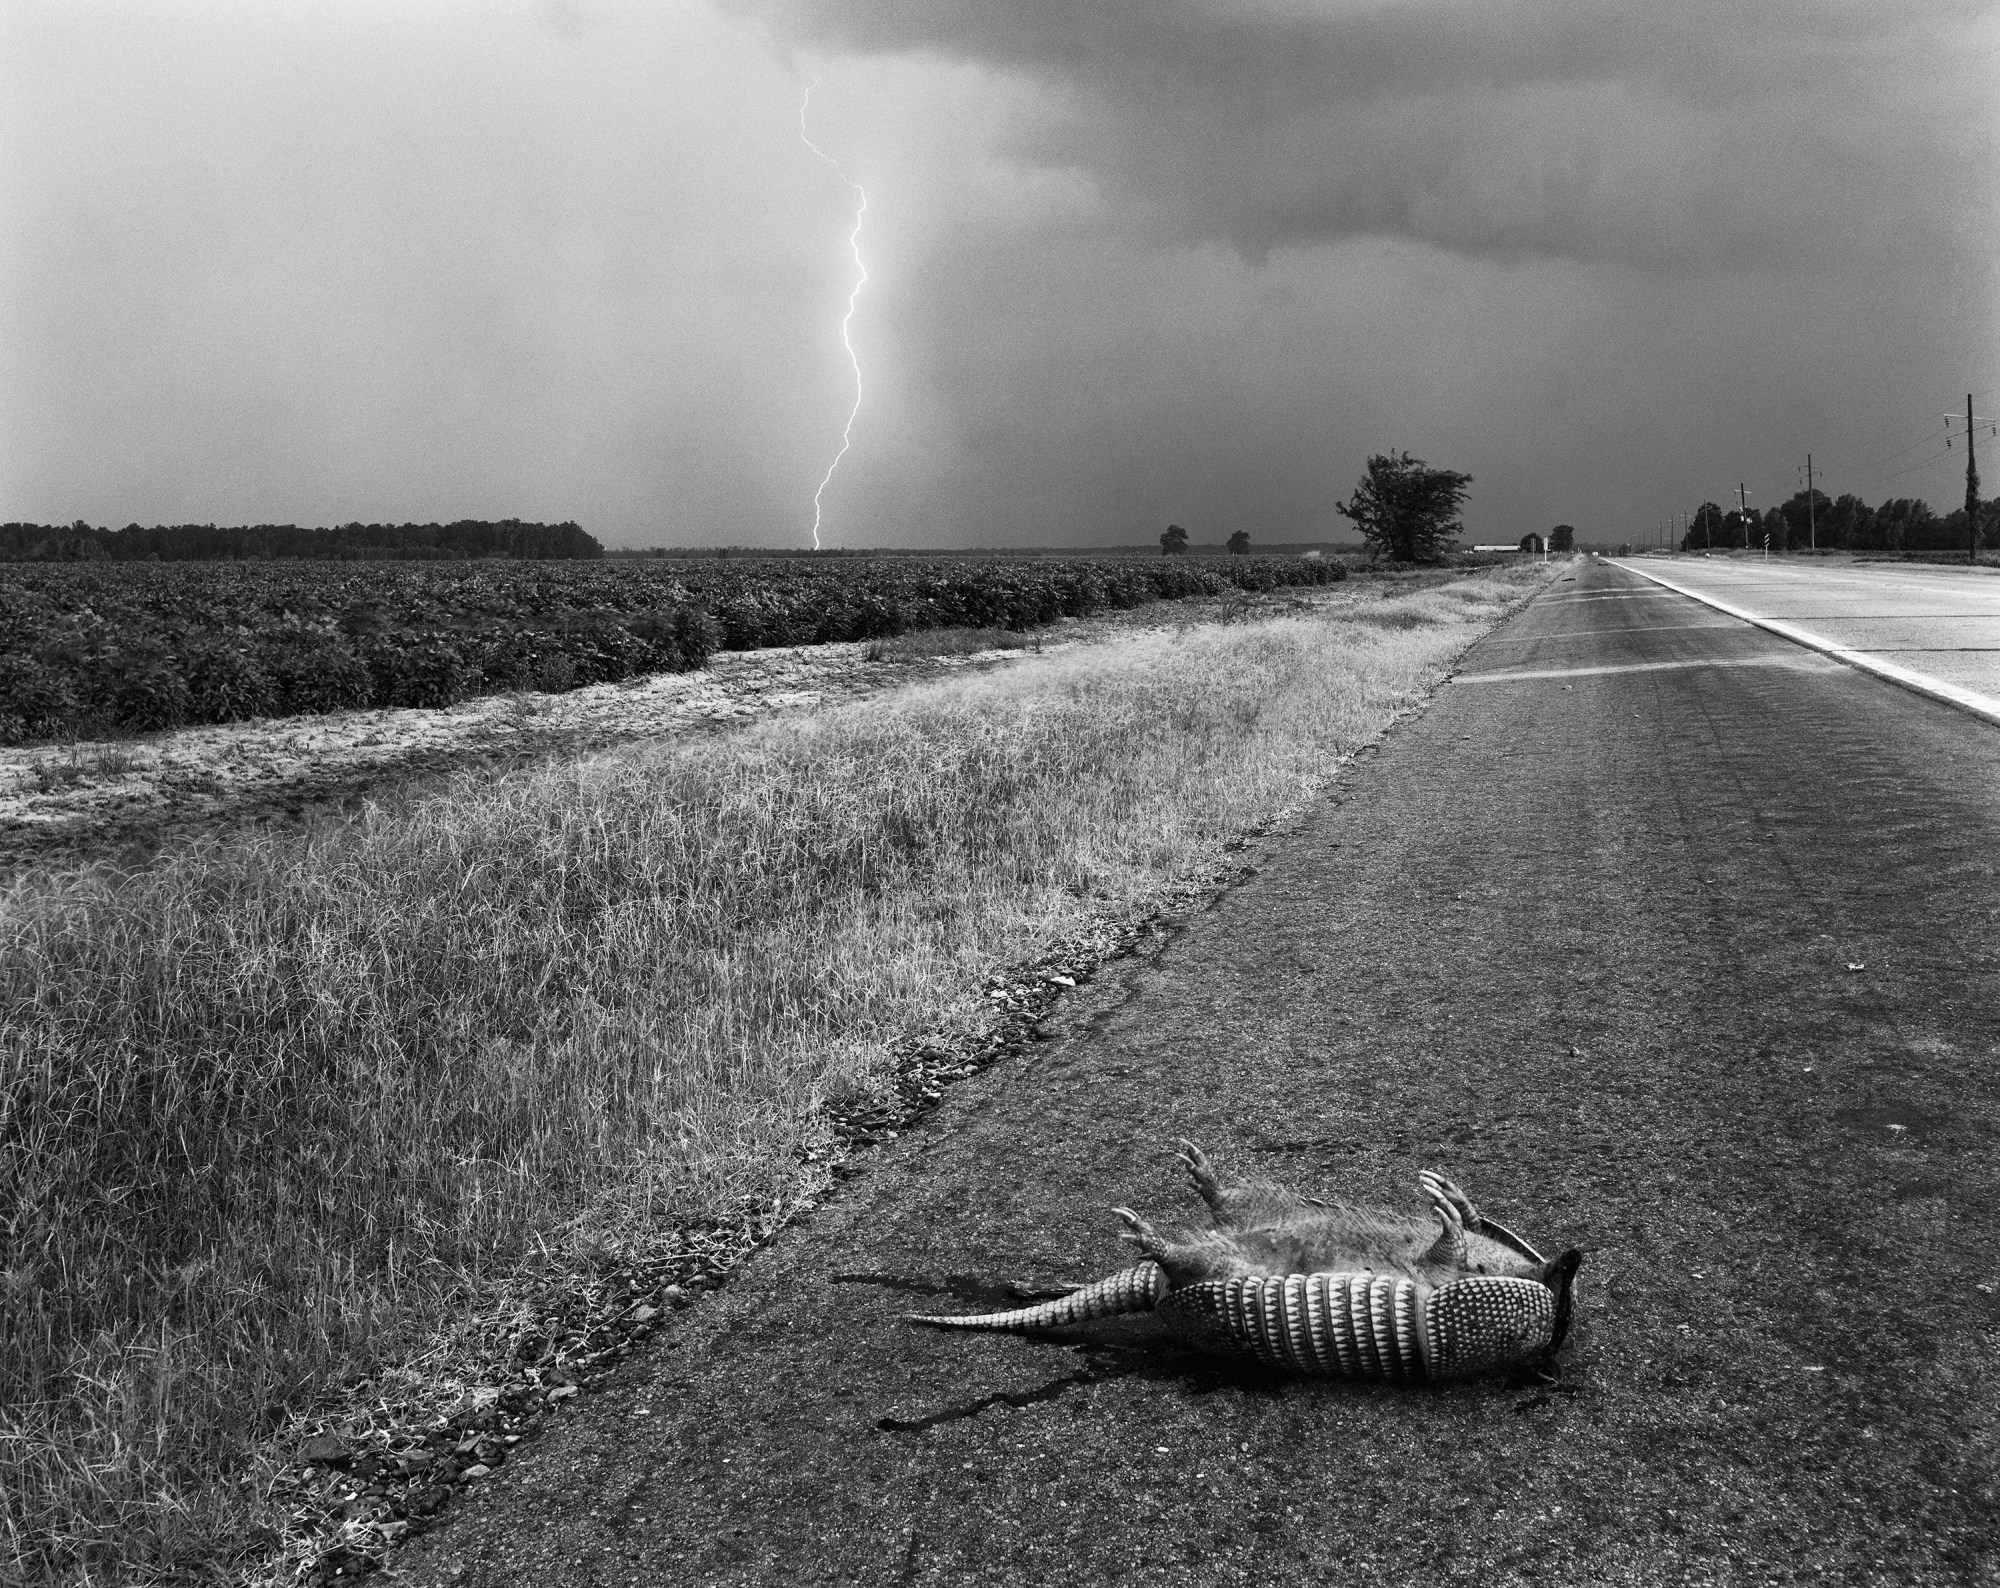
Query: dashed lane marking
{"type": "Point", "coordinates": [1636, 628]}
{"type": "Point", "coordinates": [1796, 664]}
{"type": "Point", "coordinates": [1603, 595]}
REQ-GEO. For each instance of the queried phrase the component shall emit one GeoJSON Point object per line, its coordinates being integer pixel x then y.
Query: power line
{"type": "Point", "coordinates": [1815, 474]}
{"type": "Point", "coordinates": [1949, 453]}
{"type": "Point", "coordinates": [1923, 463]}
{"type": "Point", "coordinates": [1865, 471]}
{"type": "Point", "coordinates": [1931, 439]}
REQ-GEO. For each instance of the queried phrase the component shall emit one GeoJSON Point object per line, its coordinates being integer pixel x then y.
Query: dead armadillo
{"type": "Point", "coordinates": [1311, 1286]}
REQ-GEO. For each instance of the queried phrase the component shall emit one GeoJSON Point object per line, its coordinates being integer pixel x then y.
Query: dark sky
{"type": "Point", "coordinates": [1129, 261]}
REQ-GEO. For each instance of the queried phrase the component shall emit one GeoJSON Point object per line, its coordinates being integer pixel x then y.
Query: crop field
{"type": "Point", "coordinates": [281, 1107]}
{"type": "Point", "coordinates": [96, 648]}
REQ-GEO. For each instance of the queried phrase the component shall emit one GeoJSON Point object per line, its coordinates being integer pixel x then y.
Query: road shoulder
{"type": "Point", "coordinates": [1979, 705]}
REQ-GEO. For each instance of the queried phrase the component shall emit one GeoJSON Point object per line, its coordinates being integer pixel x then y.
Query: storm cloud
{"type": "Point", "coordinates": [1664, 136]}
{"type": "Point", "coordinates": [1129, 262]}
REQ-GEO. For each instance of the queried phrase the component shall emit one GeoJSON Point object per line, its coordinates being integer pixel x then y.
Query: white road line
{"type": "Point", "coordinates": [1602, 595]}
{"type": "Point", "coordinates": [1900, 617]}
{"type": "Point", "coordinates": [1986, 706]}
{"type": "Point", "coordinates": [1636, 628]}
{"type": "Point", "coordinates": [1797, 664]}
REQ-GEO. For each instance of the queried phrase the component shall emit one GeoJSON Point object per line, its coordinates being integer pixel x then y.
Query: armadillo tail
{"type": "Point", "coordinates": [1133, 1290]}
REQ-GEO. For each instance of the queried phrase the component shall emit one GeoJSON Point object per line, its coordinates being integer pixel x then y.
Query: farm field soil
{"type": "Point", "coordinates": [122, 798]}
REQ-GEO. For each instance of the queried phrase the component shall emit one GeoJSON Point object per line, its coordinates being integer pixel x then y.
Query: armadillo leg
{"type": "Point", "coordinates": [1142, 1235]}
{"type": "Point", "coordinates": [1436, 1185]}
{"type": "Point", "coordinates": [1449, 1248]}
{"type": "Point", "coordinates": [1206, 1186]}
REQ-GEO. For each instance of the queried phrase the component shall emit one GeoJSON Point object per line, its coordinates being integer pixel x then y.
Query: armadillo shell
{"type": "Point", "coordinates": [1373, 1326]}
{"type": "Point", "coordinates": [1478, 1324]}
{"type": "Point", "coordinates": [1334, 1325]}
{"type": "Point", "coordinates": [1131, 1290]}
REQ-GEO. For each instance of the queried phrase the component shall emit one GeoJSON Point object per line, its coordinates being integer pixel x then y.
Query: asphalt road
{"type": "Point", "coordinates": [1667, 940]}
{"type": "Point", "coordinates": [1939, 621]}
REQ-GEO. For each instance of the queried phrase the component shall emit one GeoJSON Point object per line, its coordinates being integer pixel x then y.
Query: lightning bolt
{"type": "Point", "coordinates": [860, 281]}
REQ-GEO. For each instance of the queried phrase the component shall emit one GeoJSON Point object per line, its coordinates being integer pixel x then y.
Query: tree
{"type": "Point", "coordinates": [1956, 533]}
{"type": "Point", "coordinates": [1850, 523]}
{"type": "Point", "coordinates": [1906, 522]}
{"type": "Point", "coordinates": [1239, 543]}
{"type": "Point", "coordinates": [1807, 516]}
{"type": "Point", "coordinates": [1174, 542]}
{"type": "Point", "coordinates": [1703, 528]}
{"type": "Point", "coordinates": [1406, 509]}
{"type": "Point", "coordinates": [1563, 538]}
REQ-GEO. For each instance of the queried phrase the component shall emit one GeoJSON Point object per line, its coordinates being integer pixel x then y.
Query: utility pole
{"type": "Point", "coordinates": [1743, 512]}
{"type": "Point", "coordinates": [1971, 490]}
{"type": "Point", "coordinates": [1812, 534]}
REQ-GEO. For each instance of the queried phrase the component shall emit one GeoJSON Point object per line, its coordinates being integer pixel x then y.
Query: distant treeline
{"type": "Point", "coordinates": [1845, 523]}
{"type": "Point", "coordinates": [467, 538]}
{"type": "Point", "coordinates": [1325, 548]}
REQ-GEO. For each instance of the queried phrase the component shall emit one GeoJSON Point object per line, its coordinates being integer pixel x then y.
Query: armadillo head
{"type": "Point", "coordinates": [1560, 1277]}
{"type": "Point", "coordinates": [1478, 1324]}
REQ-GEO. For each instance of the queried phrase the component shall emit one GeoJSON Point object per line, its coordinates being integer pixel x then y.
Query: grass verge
{"type": "Point", "coordinates": [274, 1107]}
{"type": "Point", "coordinates": [947, 642]}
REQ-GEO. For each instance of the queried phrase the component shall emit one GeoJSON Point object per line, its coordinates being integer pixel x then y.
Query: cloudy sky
{"type": "Point", "coordinates": [1129, 261]}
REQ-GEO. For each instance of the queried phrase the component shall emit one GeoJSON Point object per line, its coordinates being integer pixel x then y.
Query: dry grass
{"type": "Point", "coordinates": [79, 766]}
{"type": "Point", "coordinates": [948, 642]}
{"type": "Point", "coordinates": [274, 1106]}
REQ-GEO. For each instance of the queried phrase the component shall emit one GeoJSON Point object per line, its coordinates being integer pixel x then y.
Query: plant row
{"type": "Point", "coordinates": [91, 648]}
